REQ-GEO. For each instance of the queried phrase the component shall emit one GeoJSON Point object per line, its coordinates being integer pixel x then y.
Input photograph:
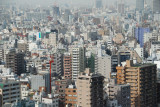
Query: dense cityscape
{"type": "Point", "coordinates": [92, 55]}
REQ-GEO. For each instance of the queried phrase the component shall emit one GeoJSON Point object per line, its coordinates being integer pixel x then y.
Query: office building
{"type": "Point", "coordinates": [67, 66]}
{"type": "Point", "coordinates": [139, 5]}
{"type": "Point", "coordinates": [139, 34]}
{"type": "Point", "coordinates": [9, 91]}
{"type": "Point", "coordinates": [90, 90]}
{"type": "Point", "coordinates": [142, 80]}
{"type": "Point", "coordinates": [56, 11]}
{"type": "Point", "coordinates": [121, 8]}
{"type": "Point", "coordinates": [156, 6]}
{"type": "Point", "coordinates": [98, 3]}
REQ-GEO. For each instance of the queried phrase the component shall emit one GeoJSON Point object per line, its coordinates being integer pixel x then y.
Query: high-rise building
{"type": "Point", "coordinates": [103, 65]}
{"type": "Point", "coordinates": [98, 3]}
{"type": "Point", "coordinates": [139, 5]}
{"type": "Point", "coordinates": [61, 85]}
{"type": "Point", "coordinates": [156, 6]}
{"type": "Point", "coordinates": [139, 34]}
{"type": "Point", "coordinates": [15, 61]}
{"type": "Point", "coordinates": [90, 90]}
{"type": "Point", "coordinates": [142, 80]}
{"type": "Point", "coordinates": [53, 39]}
{"type": "Point", "coordinates": [121, 93]}
{"type": "Point", "coordinates": [56, 11]}
{"type": "Point", "coordinates": [121, 7]}
{"type": "Point", "coordinates": [67, 66]}
{"type": "Point", "coordinates": [9, 91]}
{"type": "Point", "coordinates": [78, 58]}
{"type": "Point", "coordinates": [57, 65]}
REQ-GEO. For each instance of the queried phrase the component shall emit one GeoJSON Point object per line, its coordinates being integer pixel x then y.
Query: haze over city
{"type": "Point", "coordinates": [79, 53]}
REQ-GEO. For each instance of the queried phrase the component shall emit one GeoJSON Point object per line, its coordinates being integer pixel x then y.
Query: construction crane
{"type": "Point", "coordinates": [50, 62]}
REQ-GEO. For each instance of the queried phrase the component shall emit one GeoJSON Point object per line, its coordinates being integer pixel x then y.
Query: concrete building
{"type": "Point", "coordinates": [155, 6]}
{"type": "Point", "coordinates": [61, 85]}
{"type": "Point", "coordinates": [98, 3]}
{"type": "Point", "coordinates": [40, 80]}
{"type": "Point", "coordinates": [71, 96]}
{"type": "Point", "coordinates": [25, 91]}
{"type": "Point", "coordinates": [140, 51]}
{"type": "Point", "coordinates": [90, 90]}
{"type": "Point", "coordinates": [142, 80]}
{"type": "Point", "coordinates": [139, 5]}
{"type": "Point", "coordinates": [15, 61]}
{"type": "Point", "coordinates": [67, 66]}
{"type": "Point", "coordinates": [78, 58]}
{"type": "Point", "coordinates": [53, 39]}
{"type": "Point", "coordinates": [9, 91]}
{"type": "Point", "coordinates": [57, 65]}
{"type": "Point", "coordinates": [23, 47]}
{"type": "Point", "coordinates": [103, 65]}
{"type": "Point", "coordinates": [121, 93]}
{"type": "Point", "coordinates": [50, 101]}
{"type": "Point", "coordinates": [139, 34]}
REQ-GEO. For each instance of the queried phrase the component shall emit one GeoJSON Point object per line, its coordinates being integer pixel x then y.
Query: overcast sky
{"type": "Point", "coordinates": [69, 2]}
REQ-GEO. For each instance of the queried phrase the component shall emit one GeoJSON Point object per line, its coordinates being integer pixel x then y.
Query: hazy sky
{"type": "Point", "coordinates": [69, 2]}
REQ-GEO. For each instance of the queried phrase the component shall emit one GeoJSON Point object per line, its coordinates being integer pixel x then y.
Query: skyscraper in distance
{"type": "Point", "coordinates": [139, 5]}
{"type": "Point", "coordinates": [156, 6]}
{"type": "Point", "coordinates": [98, 3]}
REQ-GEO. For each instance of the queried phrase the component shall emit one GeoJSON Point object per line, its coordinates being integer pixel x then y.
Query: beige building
{"type": "Point", "coordinates": [103, 65]}
{"type": "Point", "coordinates": [142, 80]}
{"type": "Point", "coordinates": [90, 90]}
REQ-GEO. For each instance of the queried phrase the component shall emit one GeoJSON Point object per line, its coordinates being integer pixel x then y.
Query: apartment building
{"type": "Point", "coordinates": [15, 61]}
{"type": "Point", "coordinates": [78, 58]}
{"type": "Point", "coordinates": [142, 80]}
{"type": "Point", "coordinates": [103, 65]}
{"type": "Point", "coordinates": [9, 91]}
{"type": "Point", "coordinates": [90, 89]}
{"type": "Point", "coordinates": [71, 96]}
{"type": "Point", "coordinates": [121, 93]}
{"type": "Point", "coordinates": [67, 66]}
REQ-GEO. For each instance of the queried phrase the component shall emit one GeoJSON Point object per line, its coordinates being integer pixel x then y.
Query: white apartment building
{"type": "Point", "coordinates": [50, 101]}
{"type": "Point", "coordinates": [78, 57]}
{"type": "Point", "coordinates": [140, 51]}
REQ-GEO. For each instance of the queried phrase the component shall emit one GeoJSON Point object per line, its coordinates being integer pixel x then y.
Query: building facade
{"type": "Point", "coordinates": [9, 91]}
{"type": "Point", "coordinates": [90, 90]}
{"type": "Point", "coordinates": [142, 80]}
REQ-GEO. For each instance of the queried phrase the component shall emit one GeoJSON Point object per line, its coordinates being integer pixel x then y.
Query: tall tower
{"type": "Point", "coordinates": [139, 5]}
